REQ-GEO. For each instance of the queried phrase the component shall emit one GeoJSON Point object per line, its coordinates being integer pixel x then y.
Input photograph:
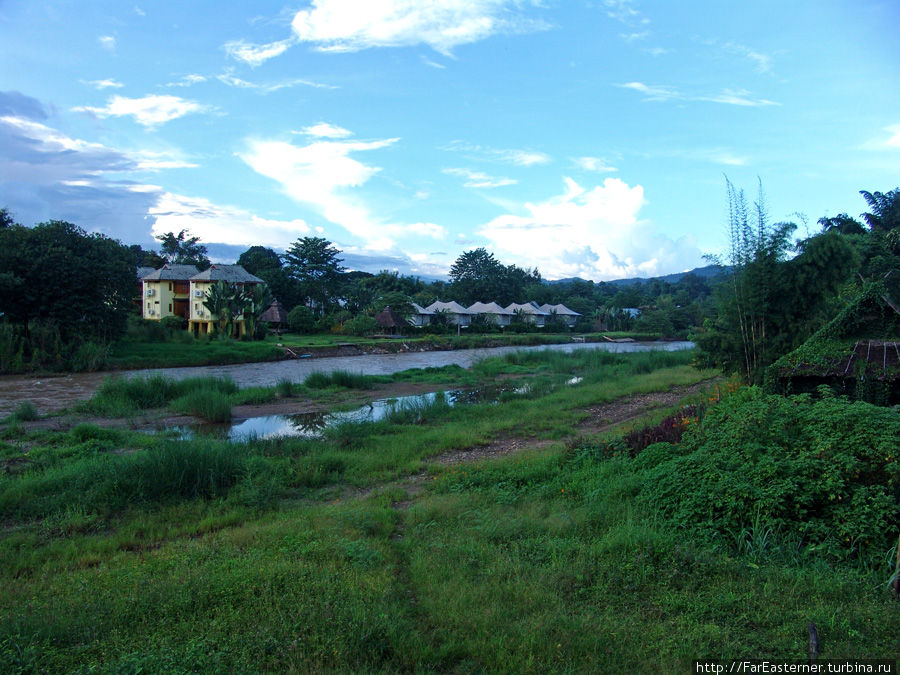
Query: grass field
{"type": "Point", "coordinates": [383, 548]}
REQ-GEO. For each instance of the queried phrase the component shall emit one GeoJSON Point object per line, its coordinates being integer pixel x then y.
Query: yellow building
{"type": "Point", "coordinates": [201, 319]}
{"type": "Point", "coordinates": [165, 292]}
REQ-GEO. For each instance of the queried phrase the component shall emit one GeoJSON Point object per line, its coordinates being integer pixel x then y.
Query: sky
{"type": "Point", "coordinates": [586, 139]}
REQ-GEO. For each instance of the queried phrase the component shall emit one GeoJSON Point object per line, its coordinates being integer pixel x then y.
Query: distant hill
{"type": "Point", "coordinates": [707, 272]}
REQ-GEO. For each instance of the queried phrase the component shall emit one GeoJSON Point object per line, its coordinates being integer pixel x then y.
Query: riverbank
{"type": "Point", "coordinates": [136, 355]}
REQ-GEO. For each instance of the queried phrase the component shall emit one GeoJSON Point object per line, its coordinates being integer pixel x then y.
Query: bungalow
{"type": "Point", "coordinates": [201, 319]}
{"type": "Point", "coordinates": [530, 312]}
{"type": "Point", "coordinates": [390, 322]}
{"type": "Point", "coordinates": [569, 316]}
{"type": "Point", "coordinates": [459, 315]}
{"type": "Point", "coordinates": [494, 312]}
{"type": "Point", "coordinates": [166, 291]}
{"type": "Point", "coordinates": [421, 316]}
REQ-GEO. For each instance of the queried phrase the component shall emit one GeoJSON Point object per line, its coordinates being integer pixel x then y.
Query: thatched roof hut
{"type": "Point", "coordinates": [275, 315]}
{"type": "Point", "coordinates": [857, 354]}
{"type": "Point", "coordinates": [389, 321]}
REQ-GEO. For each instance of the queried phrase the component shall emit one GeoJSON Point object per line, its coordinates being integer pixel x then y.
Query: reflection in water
{"type": "Point", "coordinates": [313, 424]}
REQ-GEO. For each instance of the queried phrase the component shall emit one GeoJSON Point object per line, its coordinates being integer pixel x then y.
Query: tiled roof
{"type": "Point", "coordinates": [144, 271]}
{"type": "Point", "coordinates": [172, 272]}
{"type": "Point", "coordinates": [234, 274]}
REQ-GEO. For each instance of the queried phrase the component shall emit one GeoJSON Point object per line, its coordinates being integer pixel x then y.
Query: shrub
{"type": "Point", "coordinates": [24, 412]}
{"type": "Point", "coordinates": [825, 473]}
{"type": "Point", "coordinates": [173, 324]}
{"type": "Point", "coordinates": [301, 320]}
{"type": "Point", "coordinates": [360, 325]}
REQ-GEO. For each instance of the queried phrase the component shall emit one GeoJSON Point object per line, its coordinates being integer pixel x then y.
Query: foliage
{"type": "Point", "coordinates": [669, 430]}
{"type": "Point", "coordinates": [301, 320]}
{"type": "Point", "coordinates": [823, 473]}
{"type": "Point", "coordinates": [884, 208]}
{"type": "Point", "coordinates": [770, 304]}
{"type": "Point", "coordinates": [266, 264]}
{"type": "Point", "coordinates": [55, 272]}
{"type": "Point", "coordinates": [477, 275]}
{"type": "Point", "coordinates": [362, 324]}
{"type": "Point", "coordinates": [315, 264]}
{"type": "Point", "coordinates": [183, 249]}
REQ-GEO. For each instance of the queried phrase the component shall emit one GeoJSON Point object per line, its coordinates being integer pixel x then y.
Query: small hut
{"type": "Point", "coordinates": [275, 316]}
{"type": "Point", "coordinates": [390, 322]}
{"type": "Point", "coordinates": [857, 354]}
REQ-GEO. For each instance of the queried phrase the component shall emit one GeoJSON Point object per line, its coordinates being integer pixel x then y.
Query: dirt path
{"type": "Point", "coordinates": [601, 418]}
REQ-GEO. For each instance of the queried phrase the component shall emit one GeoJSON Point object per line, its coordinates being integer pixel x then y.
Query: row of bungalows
{"type": "Point", "coordinates": [501, 316]}
{"type": "Point", "coordinates": [180, 290]}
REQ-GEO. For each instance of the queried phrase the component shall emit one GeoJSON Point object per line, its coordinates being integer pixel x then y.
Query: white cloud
{"type": "Point", "coordinates": [740, 97]}
{"type": "Point", "coordinates": [104, 84]}
{"type": "Point", "coordinates": [139, 11]}
{"type": "Point", "coordinates": [108, 42]}
{"type": "Point", "coordinates": [892, 142]}
{"type": "Point", "coordinates": [477, 179]}
{"type": "Point", "coordinates": [148, 111]}
{"type": "Point", "coordinates": [214, 223]}
{"type": "Point", "coordinates": [319, 175]}
{"type": "Point", "coordinates": [256, 55]}
{"type": "Point", "coordinates": [425, 230]}
{"type": "Point", "coordinates": [349, 25]}
{"type": "Point", "coordinates": [592, 233]}
{"type": "Point", "coordinates": [652, 93]}
{"type": "Point", "coordinates": [508, 156]}
{"type": "Point", "coordinates": [762, 63]}
{"type": "Point", "coordinates": [151, 160]}
{"type": "Point", "coordinates": [231, 80]}
{"type": "Point", "coordinates": [325, 130]}
{"type": "Point", "coordinates": [598, 164]}
{"type": "Point", "coordinates": [188, 80]}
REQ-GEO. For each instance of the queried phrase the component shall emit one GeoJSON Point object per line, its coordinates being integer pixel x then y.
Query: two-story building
{"type": "Point", "coordinates": [166, 291]}
{"type": "Point", "coordinates": [201, 320]}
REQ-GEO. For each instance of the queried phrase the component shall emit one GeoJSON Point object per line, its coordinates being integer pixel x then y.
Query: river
{"type": "Point", "coordinates": [54, 393]}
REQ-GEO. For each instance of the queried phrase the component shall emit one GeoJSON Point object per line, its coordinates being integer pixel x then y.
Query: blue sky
{"type": "Point", "coordinates": [582, 138]}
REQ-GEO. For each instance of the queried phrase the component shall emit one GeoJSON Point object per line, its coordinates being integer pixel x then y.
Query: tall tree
{"type": "Point", "coordinates": [269, 266]}
{"type": "Point", "coordinates": [315, 264]}
{"type": "Point", "coordinates": [884, 209]}
{"type": "Point", "coordinates": [183, 249]}
{"type": "Point", "coordinates": [56, 272]}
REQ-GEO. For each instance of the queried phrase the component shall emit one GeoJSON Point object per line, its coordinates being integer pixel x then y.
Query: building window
{"type": "Point", "coordinates": [170, 306]}
{"type": "Point", "coordinates": [170, 285]}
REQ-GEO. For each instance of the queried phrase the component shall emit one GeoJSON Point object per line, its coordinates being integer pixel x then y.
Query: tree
{"type": "Point", "coordinates": [314, 263]}
{"type": "Point", "coordinates": [220, 301]}
{"type": "Point", "coordinates": [183, 249]}
{"type": "Point", "coordinates": [55, 272]}
{"type": "Point", "coordinates": [842, 224]}
{"type": "Point", "coordinates": [256, 300]}
{"type": "Point", "coordinates": [770, 304]}
{"type": "Point", "coordinates": [6, 219]}
{"type": "Point", "coordinates": [269, 266]}
{"type": "Point", "coordinates": [884, 214]}
{"type": "Point", "coordinates": [477, 275]}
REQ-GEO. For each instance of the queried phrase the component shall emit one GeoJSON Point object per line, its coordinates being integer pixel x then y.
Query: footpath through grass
{"type": "Point", "coordinates": [125, 552]}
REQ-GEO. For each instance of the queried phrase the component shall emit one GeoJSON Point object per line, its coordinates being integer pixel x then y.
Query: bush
{"type": "Point", "coordinates": [172, 324]}
{"type": "Point", "coordinates": [360, 325]}
{"type": "Point", "coordinates": [825, 473]}
{"type": "Point", "coordinates": [301, 320]}
{"type": "Point", "coordinates": [24, 412]}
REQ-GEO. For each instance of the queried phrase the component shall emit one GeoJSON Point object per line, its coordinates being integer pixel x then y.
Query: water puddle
{"type": "Point", "coordinates": [314, 424]}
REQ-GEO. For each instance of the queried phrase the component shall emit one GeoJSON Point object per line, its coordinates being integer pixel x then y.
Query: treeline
{"type": "Point", "coordinates": [778, 292]}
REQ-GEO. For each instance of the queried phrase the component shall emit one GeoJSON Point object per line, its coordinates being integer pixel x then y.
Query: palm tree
{"type": "Point", "coordinates": [257, 299]}
{"type": "Point", "coordinates": [885, 209]}
{"type": "Point", "coordinates": [219, 300]}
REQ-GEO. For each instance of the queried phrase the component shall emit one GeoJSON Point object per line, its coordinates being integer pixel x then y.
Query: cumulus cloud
{"type": "Point", "coordinates": [592, 233]}
{"type": "Point", "coordinates": [349, 26]}
{"type": "Point", "coordinates": [477, 179]}
{"type": "Point", "coordinates": [215, 223]}
{"type": "Point", "coordinates": [255, 55]}
{"type": "Point", "coordinates": [319, 174]}
{"type": "Point", "coordinates": [46, 174]}
{"type": "Point", "coordinates": [149, 111]}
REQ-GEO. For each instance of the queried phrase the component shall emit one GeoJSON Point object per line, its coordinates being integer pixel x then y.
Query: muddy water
{"type": "Point", "coordinates": [54, 393]}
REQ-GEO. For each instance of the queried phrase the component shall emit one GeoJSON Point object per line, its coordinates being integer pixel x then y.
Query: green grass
{"type": "Point", "coordinates": [203, 556]}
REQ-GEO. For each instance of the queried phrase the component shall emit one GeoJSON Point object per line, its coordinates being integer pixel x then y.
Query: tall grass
{"type": "Point", "coordinates": [123, 396]}
{"type": "Point", "coordinates": [106, 483]}
{"type": "Point", "coordinates": [341, 378]}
